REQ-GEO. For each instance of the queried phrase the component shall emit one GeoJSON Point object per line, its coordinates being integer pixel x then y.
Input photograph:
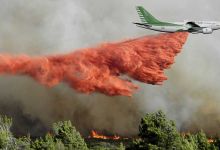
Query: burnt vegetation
{"type": "Point", "coordinates": [156, 132]}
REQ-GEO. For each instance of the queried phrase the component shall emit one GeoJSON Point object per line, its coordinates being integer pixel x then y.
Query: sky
{"type": "Point", "coordinates": [189, 96]}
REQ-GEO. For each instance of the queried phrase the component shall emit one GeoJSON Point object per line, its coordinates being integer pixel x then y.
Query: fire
{"type": "Point", "coordinates": [188, 133]}
{"type": "Point", "coordinates": [96, 135]}
{"type": "Point", "coordinates": [210, 140]}
{"type": "Point", "coordinates": [99, 69]}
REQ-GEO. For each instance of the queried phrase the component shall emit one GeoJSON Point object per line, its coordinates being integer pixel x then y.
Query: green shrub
{"type": "Point", "coordinates": [121, 147]}
{"type": "Point", "coordinates": [7, 141]}
{"type": "Point", "coordinates": [189, 142]}
{"type": "Point", "coordinates": [217, 143]}
{"type": "Point", "coordinates": [24, 143]}
{"type": "Point", "coordinates": [46, 144]}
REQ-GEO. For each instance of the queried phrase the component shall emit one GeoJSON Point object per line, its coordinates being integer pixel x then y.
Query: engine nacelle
{"type": "Point", "coordinates": [207, 30]}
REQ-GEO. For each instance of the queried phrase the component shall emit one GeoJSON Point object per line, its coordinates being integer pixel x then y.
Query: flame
{"type": "Point", "coordinates": [96, 135]}
{"type": "Point", "coordinates": [99, 69]}
{"type": "Point", "coordinates": [210, 140]}
{"type": "Point", "coordinates": [184, 134]}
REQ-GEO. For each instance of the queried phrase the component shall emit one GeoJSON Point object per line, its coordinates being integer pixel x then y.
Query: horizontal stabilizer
{"type": "Point", "coordinates": [142, 24]}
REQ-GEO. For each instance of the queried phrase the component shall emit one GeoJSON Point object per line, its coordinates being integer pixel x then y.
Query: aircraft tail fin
{"type": "Point", "coordinates": [145, 16]}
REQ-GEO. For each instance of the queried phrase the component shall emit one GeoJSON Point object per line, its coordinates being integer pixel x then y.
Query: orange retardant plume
{"type": "Point", "coordinates": [99, 69]}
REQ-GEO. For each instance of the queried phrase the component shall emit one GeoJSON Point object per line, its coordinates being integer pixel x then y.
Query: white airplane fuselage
{"type": "Point", "coordinates": [207, 27]}
{"type": "Point", "coordinates": [148, 21]}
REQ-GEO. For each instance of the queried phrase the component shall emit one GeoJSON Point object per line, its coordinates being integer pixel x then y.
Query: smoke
{"type": "Point", "coordinates": [190, 96]}
{"type": "Point", "coordinates": [98, 69]}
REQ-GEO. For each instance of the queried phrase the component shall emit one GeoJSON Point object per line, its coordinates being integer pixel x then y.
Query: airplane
{"type": "Point", "coordinates": [148, 21]}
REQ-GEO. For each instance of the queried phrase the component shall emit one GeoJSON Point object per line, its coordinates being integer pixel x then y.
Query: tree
{"type": "Point", "coordinates": [202, 141]}
{"type": "Point", "coordinates": [156, 132]}
{"type": "Point", "coordinates": [65, 132]}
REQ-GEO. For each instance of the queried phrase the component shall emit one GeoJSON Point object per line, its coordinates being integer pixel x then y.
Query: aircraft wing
{"type": "Point", "coordinates": [192, 24]}
{"type": "Point", "coordinates": [194, 28]}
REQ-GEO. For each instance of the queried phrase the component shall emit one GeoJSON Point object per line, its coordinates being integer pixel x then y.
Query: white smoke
{"type": "Point", "coordinates": [190, 96]}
